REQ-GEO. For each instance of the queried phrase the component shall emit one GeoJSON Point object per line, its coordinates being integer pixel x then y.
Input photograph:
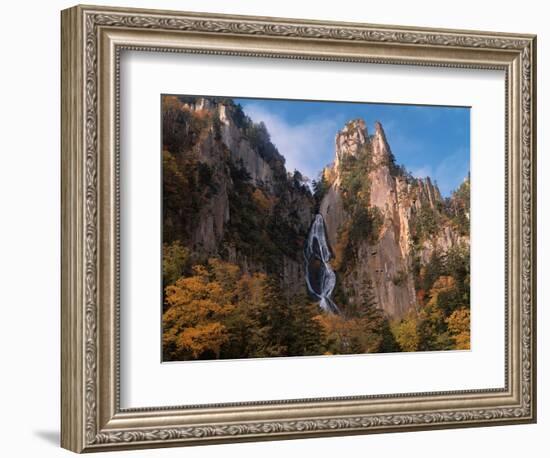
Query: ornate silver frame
{"type": "Point", "coordinates": [92, 39]}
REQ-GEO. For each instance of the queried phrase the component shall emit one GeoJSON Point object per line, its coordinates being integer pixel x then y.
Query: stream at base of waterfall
{"type": "Point", "coordinates": [320, 278]}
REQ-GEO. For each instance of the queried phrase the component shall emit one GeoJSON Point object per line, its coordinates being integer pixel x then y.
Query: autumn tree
{"type": "Point", "coordinates": [220, 312]}
{"type": "Point", "coordinates": [197, 305]}
{"type": "Point", "coordinates": [251, 325]}
{"type": "Point", "coordinates": [362, 328]}
{"type": "Point", "coordinates": [459, 328]}
{"type": "Point", "coordinates": [406, 332]}
{"type": "Point", "coordinates": [336, 330]}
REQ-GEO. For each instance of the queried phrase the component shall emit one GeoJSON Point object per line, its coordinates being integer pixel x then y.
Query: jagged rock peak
{"type": "Point", "coordinates": [350, 139]}
{"type": "Point", "coordinates": [354, 135]}
{"type": "Point", "coordinates": [428, 191]}
{"type": "Point", "coordinates": [225, 108]}
{"type": "Point", "coordinates": [379, 129]}
{"type": "Point", "coordinates": [198, 104]}
{"type": "Point", "coordinates": [355, 125]}
{"type": "Point", "coordinates": [381, 151]}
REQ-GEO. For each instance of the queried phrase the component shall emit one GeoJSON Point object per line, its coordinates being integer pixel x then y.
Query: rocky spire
{"type": "Point", "coordinates": [428, 192]}
{"type": "Point", "coordinates": [381, 151]}
{"type": "Point", "coordinates": [385, 260]}
{"type": "Point", "coordinates": [350, 140]}
{"type": "Point", "coordinates": [199, 104]}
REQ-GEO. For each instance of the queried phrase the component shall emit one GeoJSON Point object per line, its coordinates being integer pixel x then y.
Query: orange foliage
{"type": "Point", "coordinates": [218, 308]}
{"type": "Point", "coordinates": [196, 306]}
{"type": "Point", "coordinates": [350, 335]}
{"type": "Point", "coordinates": [262, 201]}
{"type": "Point", "coordinates": [204, 336]}
{"type": "Point", "coordinates": [170, 102]}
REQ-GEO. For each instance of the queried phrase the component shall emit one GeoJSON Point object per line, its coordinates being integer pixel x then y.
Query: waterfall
{"type": "Point", "coordinates": [320, 277]}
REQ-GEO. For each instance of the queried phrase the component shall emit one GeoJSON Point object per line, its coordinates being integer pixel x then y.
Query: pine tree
{"type": "Point", "coordinates": [369, 304]}
{"type": "Point", "coordinates": [307, 333]}
{"type": "Point", "coordinates": [320, 188]}
{"type": "Point", "coordinates": [374, 325]}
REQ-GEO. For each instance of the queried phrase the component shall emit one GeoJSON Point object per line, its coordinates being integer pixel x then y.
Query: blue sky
{"type": "Point", "coordinates": [430, 141]}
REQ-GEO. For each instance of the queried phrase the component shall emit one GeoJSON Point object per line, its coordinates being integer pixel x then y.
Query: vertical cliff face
{"type": "Point", "coordinates": [379, 247]}
{"type": "Point", "coordinates": [227, 194]}
{"type": "Point", "coordinates": [256, 263]}
{"type": "Point", "coordinates": [243, 206]}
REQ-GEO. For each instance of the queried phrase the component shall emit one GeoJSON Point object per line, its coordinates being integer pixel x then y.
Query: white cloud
{"type": "Point", "coordinates": [451, 171]}
{"type": "Point", "coordinates": [422, 172]}
{"type": "Point", "coordinates": [307, 146]}
{"type": "Point", "coordinates": [448, 173]}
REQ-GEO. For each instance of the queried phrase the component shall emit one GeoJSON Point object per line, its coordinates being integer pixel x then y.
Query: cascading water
{"type": "Point", "coordinates": [320, 277]}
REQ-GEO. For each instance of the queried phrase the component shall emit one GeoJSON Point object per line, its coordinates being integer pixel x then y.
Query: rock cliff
{"type": "Point", "coordinates": [243, 207]}
{"type": "Point", "coordinates": [227, 194]}
{"type": "Point", "coordinates": [364, 170]}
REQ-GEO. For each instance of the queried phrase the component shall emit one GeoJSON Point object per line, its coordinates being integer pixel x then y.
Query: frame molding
{"type": "Point", "coordinates": [92, 39]}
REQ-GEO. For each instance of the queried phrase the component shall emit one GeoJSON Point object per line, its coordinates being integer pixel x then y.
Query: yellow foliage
{"type": "Point", "coordinates": [406, 333]}
{"type": "Point", "coordinates": [196, 306]}
{"type": "Point", "coordinates": [224, 272]}
{"type": "Point", "coordinates": [349, 335]}
{"type": "Point", "coordinates": [262, 201]}
{"type": "Point", "coordinates": [459, 327]}
{"type": "Point", "coordinates": [215, 306]}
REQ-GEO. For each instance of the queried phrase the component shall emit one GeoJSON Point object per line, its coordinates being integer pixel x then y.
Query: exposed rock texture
{"type": "Point", "coordinates": [247, 199]}
{"type": "Point", "coordinates": [227, 194]}
{"type": "Point", "coordinates": [332, 209]}
{"type": "Point", "coordinates": [386, 260]}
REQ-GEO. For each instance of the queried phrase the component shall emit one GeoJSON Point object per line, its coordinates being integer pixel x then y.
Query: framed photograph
{"type": "Point", "coordinates": [278, 228]}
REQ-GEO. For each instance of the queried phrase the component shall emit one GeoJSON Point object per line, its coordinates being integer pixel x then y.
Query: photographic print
{"type": "Point", "coordinates": [308, 228]}
{"type": "Point", "coordinates": [323, 235]}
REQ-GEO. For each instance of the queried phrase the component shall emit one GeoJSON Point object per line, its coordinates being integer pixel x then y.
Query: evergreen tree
{"type": "Point", "coordinates": [307, 333]}
{"type": "Point", "coordinates": [369, 305]}
{"type": "Point", "coordinates": [320, 188]}
{"type": "Point", "coordinates": [376, 320]}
